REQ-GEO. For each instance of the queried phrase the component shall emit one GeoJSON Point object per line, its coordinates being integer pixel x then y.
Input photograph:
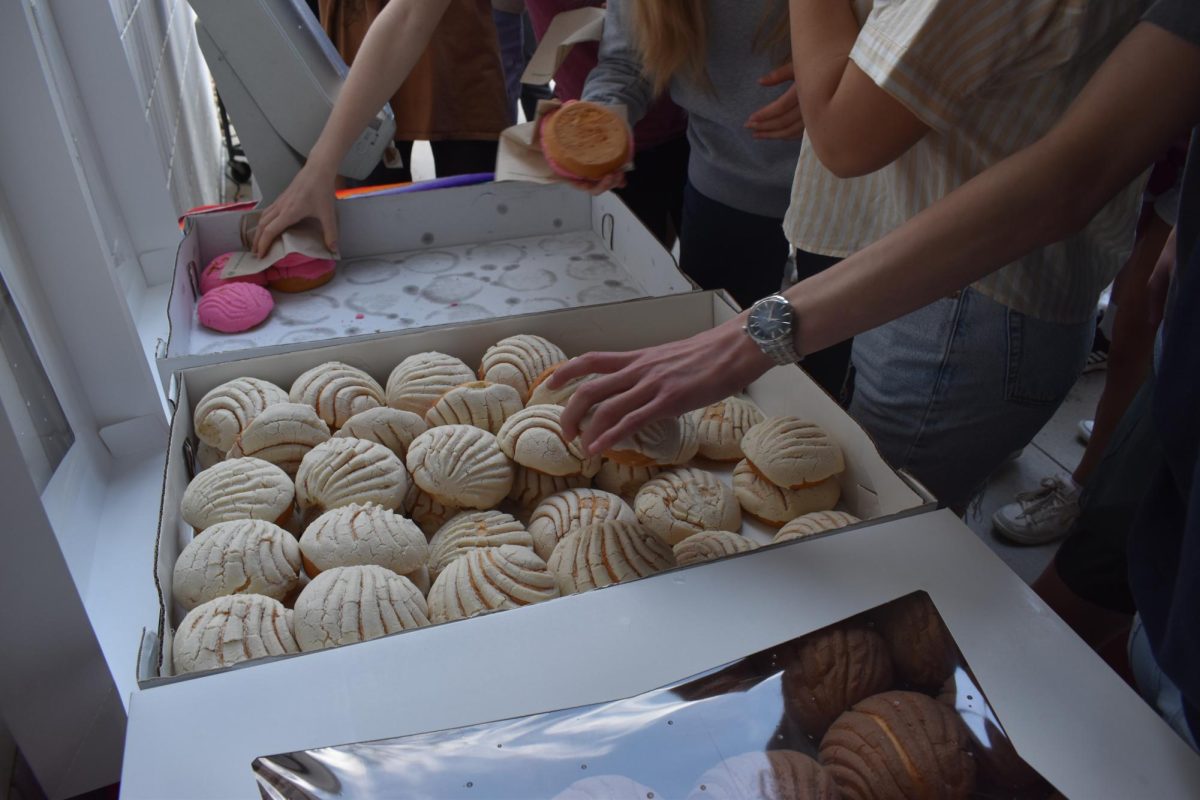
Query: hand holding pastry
{"type": "Point", "coordinates": [309, 195]}
{"type": "Point", "coordinates": [636, 388]}
{"type": "Point", "coordinates": [587, 144]}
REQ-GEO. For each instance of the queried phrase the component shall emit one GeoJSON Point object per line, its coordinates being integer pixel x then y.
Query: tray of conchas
{"type": "Point", "coordinates": [882, 705]}
{"type": "Point", "coordinates": [349, 503]}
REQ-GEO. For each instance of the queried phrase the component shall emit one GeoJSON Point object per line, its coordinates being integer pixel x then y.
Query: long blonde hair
{"type": "Point", "coordinates": [672, 38]}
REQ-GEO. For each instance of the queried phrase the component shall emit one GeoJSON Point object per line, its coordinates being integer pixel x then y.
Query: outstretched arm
{"type": "Point", "coordinates": [854, 126]}
{"type": "Point", "coordinates": [391, 47]}
{"type": "Point", "coordinates": [1148, 91]}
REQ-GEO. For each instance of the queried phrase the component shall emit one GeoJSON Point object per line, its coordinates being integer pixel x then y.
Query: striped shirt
{"type": "Point", "coordinates": [989, 77]}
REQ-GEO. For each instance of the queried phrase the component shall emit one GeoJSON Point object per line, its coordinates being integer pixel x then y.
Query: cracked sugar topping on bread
{"type": "Point", "coordinates": [239, 488]}
{"type": "Point", "coordinates": [684, 501]}
{"type": "Point", "coordinates": [488, 579]}
{"type": "Point", "coordinates": [563, 512]}
{"type": "Point", "coordinates": [519, 360]}
{"type": "Point", "coordinates": [282, 434]}
{"type": "Point", "coordinates": [352, 604]}
{"type": "Point", "coordinates": [337, 391]}
{"type": "Point", "coordinates": [461, 466]}
{"type": "Point", "coordinates": [245, 556]}
{"type": "Point", "coordinates": [361, 534]}
{"type": "Point", "coordinates": [420, 380]}
{"type": "Point", "coordinates": [344, 471]}
{"type": "Point", "coordinates": [225, 411]}
{"type": "Point", "coordinates": [609, 552]}
{"type": "Point", "coordinates": [792, 453]}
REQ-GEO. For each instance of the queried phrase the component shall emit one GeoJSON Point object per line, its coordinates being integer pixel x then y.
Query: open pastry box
{"type": "Point", "coordinates": [431, 258]}
{"type": "Point", "coordinates": [871, 490]}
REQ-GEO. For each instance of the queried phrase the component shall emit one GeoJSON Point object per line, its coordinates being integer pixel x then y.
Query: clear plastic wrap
{"type": "Point", "coordinates": [880, 705]}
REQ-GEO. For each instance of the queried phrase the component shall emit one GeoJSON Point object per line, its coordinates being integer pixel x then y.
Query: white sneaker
{"type": "Point", "coordinates": [1085, 430]}
{"type": "Point", "coordinates": [1041, 516]}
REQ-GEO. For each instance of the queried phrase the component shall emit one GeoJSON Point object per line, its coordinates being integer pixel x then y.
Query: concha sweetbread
{"type": "Point", "coordinates": [390, 427]}
{"type": "Point", "coordinates": [460, 466]}
{"type": "Point", "coordinates": [711, 545]}
{"type": "Point", "coordinates": [531, 487]}
{"type": "Point", "coordinates": [662, 443]}
{"type": "Point", "coordinates": [429, 514]}
{"type": "Point", "coordinates": [722, 425]}
{"type": "Point", "coordinates": [543, 394]}
{"type": "Point", "coordinates": [240, 488]}
{"type": "Point", "coordinates": [778, 505]}
{"type": "Point", "coordinates": [282, 434]}
{"type": "Point", "coordinates": [608, 552]}
{"type": "Point", "coordinates": [361, 534]}
{"type": "Point", "coordinates": [337, 391]}
{"type": "Point", "coordinates": [486, 579]}
{"type": "Point", "coordinates": [899, 746]}
{"type": "Point", "coordinates": [247, 556]}
{"type": "Point", "coordinates": [225, 411]}
{"type": "Point", "coordinates": [231, 629]}
{"type": "Point", "coordinates": [471, 530]}
{"type": "Point", "coordinates": [353, 604]}
{"type": "Point", "coordinates": [533, 437]}
{"type": "Point", "coordinates": [519, 360]}
{"type": "Point", "coordinates": [420, 380]}
{"type": "Point", "coordinates": [561, 513]}
{"type": "Point", "coordinates": [811, 524]}
{"type": "Point", "coordinates": [622, 479]}
{"type": "Point", "coordinates": [830, 670]}
{"type": "Point", "coordinates": [681, 502]}
{"type": "Point", "coordinates": [344, 471]}
{"type": "Point", "coordinates": [792, 453]}
{"type": "Point", "coordinates": [921, 647]}
{"type": "Point", "coordinates": [480, 403]}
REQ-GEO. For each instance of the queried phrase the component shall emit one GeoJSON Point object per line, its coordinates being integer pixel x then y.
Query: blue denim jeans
{"type": "Point", "coordinates": [948, 392]}
{"type": "Point", "coordinates": [1155, 687]}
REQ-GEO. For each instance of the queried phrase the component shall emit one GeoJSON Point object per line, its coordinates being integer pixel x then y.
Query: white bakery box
{"type": "Point", "coordinates": [1071, 718]}
{"type": "Point", "coordinates": [427, 258]}
{"type": "Point", "coordinates": [871, 489]}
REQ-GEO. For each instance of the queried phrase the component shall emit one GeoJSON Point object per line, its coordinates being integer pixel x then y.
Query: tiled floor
{"type": "Point", "coordinates": [1056, 450]}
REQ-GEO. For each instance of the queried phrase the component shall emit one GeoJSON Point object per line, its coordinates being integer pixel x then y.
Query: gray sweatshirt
{"type": "Point", "coordinates": [727, 164]}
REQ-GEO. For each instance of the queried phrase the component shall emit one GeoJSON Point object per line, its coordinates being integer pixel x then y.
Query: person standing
{"type": "Point", "coordinates": [710, 57]}
{"type": "Point", "coordinates": [926, 95]}
{"type": "Point", "coordinates": [654, 189]}
{"type": "Point", "coordinates": [454, 94]}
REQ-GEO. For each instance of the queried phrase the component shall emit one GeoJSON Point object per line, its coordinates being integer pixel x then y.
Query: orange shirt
{"type": "Point", "coordinates": [456, 89]}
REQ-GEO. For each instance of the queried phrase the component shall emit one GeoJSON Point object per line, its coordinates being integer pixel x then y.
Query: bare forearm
{"type": "Point", "coordinates": [391, 47]}
{"type": "Point", "coordinates": [823, 33]}
{"type": "Point", "coordinates": [1116, 128]}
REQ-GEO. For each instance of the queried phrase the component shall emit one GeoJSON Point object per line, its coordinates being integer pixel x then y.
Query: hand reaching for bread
{"type": "Point", "coordinates": [636, 388]}
{"type": "Point", "coordinates": [587, 144]}
{"type": "Point", "coordinates": [310, 194]}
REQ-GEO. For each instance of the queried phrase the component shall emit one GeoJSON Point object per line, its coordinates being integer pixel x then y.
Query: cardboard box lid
{"type": "Point", "coordinates": [1074, 720]}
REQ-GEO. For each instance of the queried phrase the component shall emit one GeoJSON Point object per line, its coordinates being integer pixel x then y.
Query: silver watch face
{"type": "Point", "coordinates": [770, 320]}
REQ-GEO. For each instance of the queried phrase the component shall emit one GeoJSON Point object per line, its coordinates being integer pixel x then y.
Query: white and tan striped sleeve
{"type": "Point", "coordinates": [937, 56]}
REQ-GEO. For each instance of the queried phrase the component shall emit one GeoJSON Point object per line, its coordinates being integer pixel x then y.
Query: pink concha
{"type": "Point", "coordinates": [234, 307]}
{"type": "Point", "coordinates": [300, 266]}
{"type": "Point", "coordinates": [211, 278]}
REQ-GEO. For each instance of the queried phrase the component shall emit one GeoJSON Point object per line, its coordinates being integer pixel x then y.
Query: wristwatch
{"type": "Point", "coordinates": [769, 326]}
